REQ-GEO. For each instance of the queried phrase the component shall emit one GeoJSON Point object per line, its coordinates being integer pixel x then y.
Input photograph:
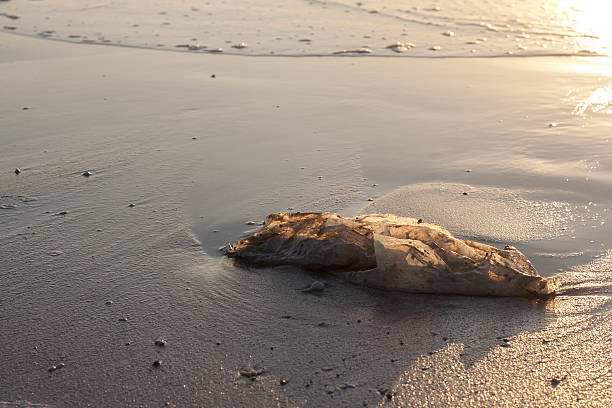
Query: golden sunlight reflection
{"type": "Point", "coordinates": [599, 100]}
{"type": "Point", "coordinates": [591, 18]}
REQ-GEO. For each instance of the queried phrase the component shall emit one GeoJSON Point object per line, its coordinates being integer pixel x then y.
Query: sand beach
{"type": "Point", "coordinates": [187, 151]}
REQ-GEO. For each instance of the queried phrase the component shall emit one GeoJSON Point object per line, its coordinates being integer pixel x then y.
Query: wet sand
{"type": "Point", "coordinates": [94, 287]}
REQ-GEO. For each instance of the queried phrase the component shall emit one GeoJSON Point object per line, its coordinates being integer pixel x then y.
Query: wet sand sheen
{"type": "Point", "coordinates": [266, 141]}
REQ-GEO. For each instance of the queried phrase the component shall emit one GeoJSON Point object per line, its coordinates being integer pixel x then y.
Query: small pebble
{"type": "Point", "coordinates": [161, 342]}
{"type": "Point", "coordinates": [52, 369]}
{"type": "Point", "coordinates": [123, 319]}
{"type": "Point", "coordinates": [194, 138]}
{"type": "Point", "coordinates": [17, 170]}
{"type": "Point", "coordinates": [283, 382]}
{"type": "Point", "coordinates": [251, 372]}
{"type": "Point", "coordinates": [435, 48]}
{"type": "Point", "coordinates": [213, 76]}
{"type": "Point", "coordinates": [370, 199]}
{"type": "Point", "coordinates": [449, 33]}
{"type": "Point", "coordinates": [464, 193]}
{"type": "Point", "coordinates": [109, 302]}
{"type": "Point", "coordinates": [240, 46]}
{"type": "Point", "coordinates": [250, 223]}
{"type": "Point", "coordinates": [315, 286]}
{"type": "Point", "coordinates": [25, 108]}
{"type": "Point", "coordinates": [132, 205]}
{"type": "Point", "coordinates": [86, 173]}
{"type": "Point", "coordinates": [157, 363]}
{"type": "Point", "coordinates": [553, 124]}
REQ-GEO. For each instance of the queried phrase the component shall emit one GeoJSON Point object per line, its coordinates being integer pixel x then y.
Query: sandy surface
{"type": "Point", "coordinates": [315, 134]}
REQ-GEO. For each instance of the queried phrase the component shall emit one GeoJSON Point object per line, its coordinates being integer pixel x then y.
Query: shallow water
{"type": "Point", "coordinates": [446, 28]}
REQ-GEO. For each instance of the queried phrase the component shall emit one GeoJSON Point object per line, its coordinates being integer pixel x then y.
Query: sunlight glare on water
{"type": "Point", "coordinates": [592, 18]}
{"type": "Point", "coordinates": [444, 28]}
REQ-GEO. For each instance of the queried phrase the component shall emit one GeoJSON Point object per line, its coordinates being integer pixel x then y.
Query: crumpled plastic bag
{"type": "Point", "coordinates": [390, 252]}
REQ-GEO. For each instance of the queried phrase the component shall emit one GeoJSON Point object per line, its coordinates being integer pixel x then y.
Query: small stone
{"type": "Point", "coordinates": [157, 363]}
{"type": "Point", "coordinates": [555, 381]}
{"type": "Point", "coordinates": [553, 124]}
{"type": "Point", "coordinates": [420, 221]}
{"type": "Point", "coordinates": [347, 386]}
{"type": "Point", "coordinates": [194, 138]}
{"type": "Point", "coordinates": [218, 343]}
{"type": "Point", "coordinates": [17, 170]}
{"type": "Point", "coordinates": [52, 368]}
{"type": "Point", "coordinates": [240, 45]}
{"type": "Point", "coordinates": [283, 382]}
{"type": "Point", "coordinates": [468, 170]}
{"type": "Point", "coordinates": [250, 223]}
{"type": "Point", "coordinates": [435, 48]}
{"type": "Point", "coordinates": [464, 193]}
{"type": "Point", "coordinates": [370, 199]}
{"type": "Point", "coordinates": [196, 47]}
{"type": "Point", "coordinates": [132, 205]}
{"type": "Point", "coordinates": [61, 365]}
{"type": "Point", "coordinates": [61, 213]}
{"type": "Point", "coordinates": [315, 286]}
{"type": "Point", "coordinates": [161, 342]}
{"type": "Point", "coordinates": [251, 372]}
{"type": "Point", "coordinates": [213, 76]}
{"type": "Point", "coordinates": [86, 173]}
{"type": "Point", "coordinates": [449, 33]}
{"type": "Point", "coordinates": [505, 345]}
{"type": "Point", "coordinates": [26, 108]}
{"type": "Point", "coordinates": [123, 319]}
